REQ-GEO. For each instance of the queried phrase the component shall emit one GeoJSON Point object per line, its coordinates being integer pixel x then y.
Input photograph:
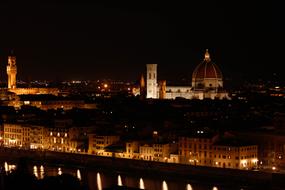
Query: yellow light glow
{"type": "Point", "coordinates": [105, 85]}
{"type": "Point", "coordinates": [273, 168]}
{"type": "Point", "coordinates": [244, 162]}
{"type": "Point", "coordinates": [254, 160]}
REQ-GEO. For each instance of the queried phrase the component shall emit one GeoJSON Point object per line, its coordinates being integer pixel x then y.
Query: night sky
{"type": "Point", "coordinates": [94, 41]}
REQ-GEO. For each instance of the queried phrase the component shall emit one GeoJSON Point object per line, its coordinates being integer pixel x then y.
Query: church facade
{"type": "Point", "coordinates": [207, 82]}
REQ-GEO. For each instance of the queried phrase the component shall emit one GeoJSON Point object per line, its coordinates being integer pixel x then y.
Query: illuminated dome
{"type": "Point", "coordinates": [207, 74]}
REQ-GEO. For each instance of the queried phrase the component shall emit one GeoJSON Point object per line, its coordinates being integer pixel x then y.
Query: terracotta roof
{"type": "Point", "coordinates": [207, 69]}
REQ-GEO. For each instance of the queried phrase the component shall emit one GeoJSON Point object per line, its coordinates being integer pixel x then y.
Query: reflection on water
{"type": "Point", "coordinates": [189, 187]}
{"type": "Point", "coordinates": [164, 185]}
{"type": "Point", "coordinates": [105, 179]}
{"type": "Point", "coordinates": [9, 167]}
{"type": "Point", "coordinates": [42, 172]}
{"type": "Point", "coordinates": [141, 184]}
{"type": "Point", "coordinates": [99, 182]}
{"type": "Point", "coordinates": [59, 171]}
{"type": "Point", "coordinates": [120, 181]}
{"type": "Point", "coordinates": [78, 174]}
{"type": "Point", "coordinates": [35, 171]}
{"type": "Point", "coordinates": [6, 167]}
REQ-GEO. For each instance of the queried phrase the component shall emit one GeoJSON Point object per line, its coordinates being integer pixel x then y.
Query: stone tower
{"type": "Point", "coordinates": [162, 89]}
{"type": "Point", "coordinates": [151, 81]}
{"type": "Point", "coordinates": [11, 72]}
{"type": "Point", "coordinates": [142, 88]}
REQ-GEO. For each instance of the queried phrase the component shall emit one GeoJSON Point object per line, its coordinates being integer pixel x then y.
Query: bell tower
{"type": "Point", "coordinates": [151, 81]}
{"type": "Point", "coordinates": [11, 72]}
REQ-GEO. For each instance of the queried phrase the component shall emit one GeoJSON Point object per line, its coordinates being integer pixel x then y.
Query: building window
{"type": "Point", "coordinates": [149, 76]}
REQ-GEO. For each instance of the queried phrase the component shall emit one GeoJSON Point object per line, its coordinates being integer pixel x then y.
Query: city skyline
{"type": "Point", "coordinates": [91, 41]}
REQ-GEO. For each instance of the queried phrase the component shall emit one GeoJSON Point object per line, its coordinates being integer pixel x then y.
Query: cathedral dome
{"type": "Point", "coordinates": [207, 69]}
{"type": "Point", "coordinates": [207, 74]}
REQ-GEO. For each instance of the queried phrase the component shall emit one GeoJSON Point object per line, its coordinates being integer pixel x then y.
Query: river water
{"type": "Point", "coordinates": [99, 179]}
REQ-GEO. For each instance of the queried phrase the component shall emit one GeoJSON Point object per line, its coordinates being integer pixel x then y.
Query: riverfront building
{"type": "Point", "coordinates": [204, 149]}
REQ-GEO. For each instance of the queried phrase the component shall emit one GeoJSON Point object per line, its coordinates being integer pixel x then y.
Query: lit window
{"type": "Point", "coordinates": [26, 102]}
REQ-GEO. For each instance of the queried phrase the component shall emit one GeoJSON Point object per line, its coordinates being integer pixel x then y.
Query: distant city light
{"type": "Point", "coordinates": [273, 168]}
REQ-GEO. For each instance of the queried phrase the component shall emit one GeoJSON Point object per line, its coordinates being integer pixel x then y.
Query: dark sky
{"type": "Point", "coordinates": [91, 41]}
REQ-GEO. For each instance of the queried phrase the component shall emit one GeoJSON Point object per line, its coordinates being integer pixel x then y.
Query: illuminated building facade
{"type": "Point", "coordinates": [33, 136]}
{"type": "Point", "coordinates": [207, 82]}
{"type": "Point", "coordinates": [208, 150]}
{"type": "Point", "coordinates": [98, 143]}
{"type": "Point", "coordinates": [271, 146]}
{"type": "Point", "coordinates": [237, 156]}
{"type": "Point", "coordinates": [146, 152]}
{"type": "Point", "coordinates": [56, 139]}
{"type": "Point", "coordinates": [196, 149]}
{"type": "Point", "coordinates": [25, 136]}
{"type": "Point", "coordinates": [64, 139]}
{"type": "Point", "coordinates": [132, 149]}
{"type": "Point", "coordinates": [157, 151]}
{"type": "Point", "coordinates": [199, 149]}
{"type": "Point", "coordinates": [13, 135]}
